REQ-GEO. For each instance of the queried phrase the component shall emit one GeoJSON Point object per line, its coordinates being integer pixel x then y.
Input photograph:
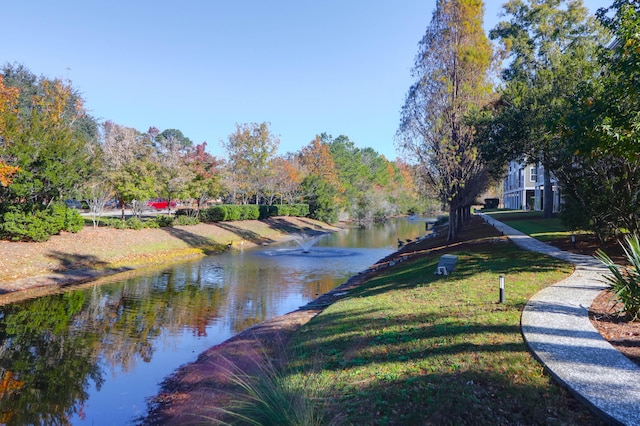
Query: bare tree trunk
{"type": "Point", "coordinates": [453, 223]}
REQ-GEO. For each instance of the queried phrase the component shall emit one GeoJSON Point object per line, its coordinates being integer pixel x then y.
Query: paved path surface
{"type": "Point", "coordinates": [556, 326]}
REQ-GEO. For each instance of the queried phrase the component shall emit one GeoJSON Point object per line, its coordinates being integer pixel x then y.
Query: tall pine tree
{"type": "Point", "coordinates": [451, 80]}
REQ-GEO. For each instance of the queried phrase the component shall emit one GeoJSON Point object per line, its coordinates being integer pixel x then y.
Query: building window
{"type": "Point", "coordinates": [534, 174]}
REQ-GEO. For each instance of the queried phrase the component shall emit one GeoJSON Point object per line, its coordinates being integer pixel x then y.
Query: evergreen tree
{"type": "Point", "coordinates": [451, 72]}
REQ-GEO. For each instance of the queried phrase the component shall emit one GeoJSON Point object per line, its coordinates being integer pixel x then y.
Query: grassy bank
{"type": "Point", "coordinates": [410, 347]}
{"type": "Point", "coordinates": [108, 248]}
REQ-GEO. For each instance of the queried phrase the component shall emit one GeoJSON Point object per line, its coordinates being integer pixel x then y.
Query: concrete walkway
{"type": "Point", "coordinates": [556, 326]}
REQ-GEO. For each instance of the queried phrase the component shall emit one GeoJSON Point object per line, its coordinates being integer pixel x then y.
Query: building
{"type": "Point", "coordinates": [523, 187]}
{"type": "Point", "coordinates": [539, 191]}
{"type": "Point", "coordinates": [519, 186]}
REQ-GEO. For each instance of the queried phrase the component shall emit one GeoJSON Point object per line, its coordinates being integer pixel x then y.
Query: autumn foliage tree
{"type": "Point", "coordinates": [321, 184]}
{"type": "Point", "coordinates": [128, 163]}
{"type": "Point", "coordinates": [8, 106]}
{"type": "Point", "coordinates": [250, 149]}
{"type": "Point", "coordinates": [207, 182]}
{"type": "Point", "coordinates": [45, 135]}
{"type": "Point", "coordinates": [451, 73]}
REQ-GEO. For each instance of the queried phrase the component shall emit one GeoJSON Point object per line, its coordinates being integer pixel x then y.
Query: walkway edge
{"type": "Point", "coordinates": [556, 327]}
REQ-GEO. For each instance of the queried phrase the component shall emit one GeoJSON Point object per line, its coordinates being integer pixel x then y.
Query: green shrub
{"type": "Point", "coordinates": [624, 281]}
{"type": "Point", "coordinates": [113, 222]}
{"type": "Point", "coordinates": [20, 224]}
{"type": "Point", "coordinates": [187, 212]}
{"type": "Point", "coordinates": [215, 214]}
{"type": "Point", "coordinates": [164, 221]}
{"type": "Point", "coordinates": [23, 226]}
{"type": "Point", "coordinates": [186, 220]}
{"type": "Point", "coordinates": [267, 211]}
{"type": "Point", "coordinates": [234, 212]}
{"type": "Point", "coordinates": [249, 212]}
{"type": "Point", "coordinates": [74, 221]}
{"type": "Point", "coordinates": [55, 217]}
{"type": "Point", "coordinates": [151, 224]}
{"type": "Point", "coordinates": [300, 210]}
{"type": "Point", "coordinates": [226, 212]}
{"type": "Point", "coordinates": [134, 223]}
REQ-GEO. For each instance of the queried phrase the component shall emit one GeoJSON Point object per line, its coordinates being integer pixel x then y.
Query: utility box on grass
{"type": "Point", "coordinates": [447, 264]}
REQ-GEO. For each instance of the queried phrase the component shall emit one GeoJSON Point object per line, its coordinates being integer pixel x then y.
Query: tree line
{"type": "Point", "coordinates": [52, 149]}
{"type": "Point", "coordinates": [560, 88]}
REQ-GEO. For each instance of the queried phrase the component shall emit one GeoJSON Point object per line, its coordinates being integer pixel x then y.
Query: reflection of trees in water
{"type": "Point", "coordinates": [46, 367]}
{"type": "Point", "coordinates": [51, 346]}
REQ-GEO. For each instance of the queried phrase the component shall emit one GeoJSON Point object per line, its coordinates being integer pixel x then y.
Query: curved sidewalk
{"type": "Point", "coordinates": [556, 326]}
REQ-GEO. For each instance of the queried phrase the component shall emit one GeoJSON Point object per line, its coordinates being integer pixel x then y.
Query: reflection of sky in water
{"type": "Point", "coordinates": [181, 311]}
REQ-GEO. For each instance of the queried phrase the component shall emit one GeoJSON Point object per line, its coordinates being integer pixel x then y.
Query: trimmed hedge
{"type": "Point", "coordinates": [229, 212]}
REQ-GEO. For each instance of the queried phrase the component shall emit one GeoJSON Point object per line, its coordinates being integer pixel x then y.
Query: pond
{"type": "Point", "coordinates": [94, 355]}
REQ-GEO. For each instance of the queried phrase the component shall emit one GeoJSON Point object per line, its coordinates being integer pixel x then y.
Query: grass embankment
{"type": "Point", "coordinates": [411, 347]}
{"type": "Point", "coordinates": [107, 248]}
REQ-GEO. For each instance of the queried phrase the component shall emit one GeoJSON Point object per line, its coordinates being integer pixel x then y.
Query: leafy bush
{"type": "Point", "coordinates": [234, 212]}
{"type": "Point", "coordinates": [186, 220]}
{"type": "Point", "coordinates": [74, 221]}
{"type": "Point", "coordinates": [267, 211]}
{"type": "Point", "coordinates": [624, 281]}
{"type": "Point", "coordinates": [215, 214]}
{"type": "Point", "coordinates": [134, 223]}
{"type": "Point", "coordinates": [20, 224]}
{"type": "Point", "coordinates": [151, 224]}
{"type": "Point", "coordinates": [249, 212]}
{"type": "Point", "coordinates": [187, 212]}
{"type": "Point", "coordinates": [297, 210]}
{"type": "Point", "coordinates": [164, 221]}
{"type": "Point", "coordinates": [226, 212]}
{"type": "Point", "coordinates": [114, 223]}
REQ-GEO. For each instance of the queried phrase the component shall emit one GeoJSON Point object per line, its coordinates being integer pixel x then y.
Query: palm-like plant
{"type": "Point", "coordinates": [624, 281]}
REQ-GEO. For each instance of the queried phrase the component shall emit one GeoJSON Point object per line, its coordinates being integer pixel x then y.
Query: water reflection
{"type": "Point", "coordinates": [93, 355]}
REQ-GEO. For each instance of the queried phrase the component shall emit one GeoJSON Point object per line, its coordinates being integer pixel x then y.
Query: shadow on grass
{"type": "Point", "coordinates": [244, 233]}
{"type": "Point", "coordinates": [208, 245]}
{"type": "Point", "coordinates": [408, 369]}
{"type": "Point", "coordinates": [396, 338]}
{"type": "Point", "coordinates": [69, 261]}
{"type": "Point", "coordinates": [285, 226]}
{"type": "Point", "coordinates": [473, 260]}
{"type": "Point", "coordinates": [460, 398]}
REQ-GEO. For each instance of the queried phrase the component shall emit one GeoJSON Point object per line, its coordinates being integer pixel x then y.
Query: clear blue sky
{"type": "Point", "coordinates": [201, 66]}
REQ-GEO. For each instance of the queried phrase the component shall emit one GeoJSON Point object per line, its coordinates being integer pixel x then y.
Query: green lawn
{"type": "Point", "coordinates": [409, 347]}
{"type": "Point", "coordinates": [532, 223]}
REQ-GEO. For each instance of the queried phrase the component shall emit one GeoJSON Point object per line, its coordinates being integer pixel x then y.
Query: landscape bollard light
{"type": "Point", "coordinates": [573, 241]}
{"type": "Point", "coordinates": [501, 288]}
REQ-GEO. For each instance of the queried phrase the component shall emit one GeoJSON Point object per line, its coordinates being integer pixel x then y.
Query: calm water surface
{"type": "Point", "coordinates": [93, 356]}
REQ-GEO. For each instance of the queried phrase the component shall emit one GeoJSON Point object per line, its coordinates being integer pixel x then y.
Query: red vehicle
{"type": "Point", "coordinates": [160, 204]}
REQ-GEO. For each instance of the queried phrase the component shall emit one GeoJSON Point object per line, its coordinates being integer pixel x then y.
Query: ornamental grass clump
{"type": "Point", "coordinates": [624, 281]}
{"type": "Point", "coordinates": [277, 396]}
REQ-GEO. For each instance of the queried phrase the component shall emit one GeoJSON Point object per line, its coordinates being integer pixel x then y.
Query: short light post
{"type": "Point", "coordinates": [501, 288]}
{"type": "Point", "coordinates": [573, 241]}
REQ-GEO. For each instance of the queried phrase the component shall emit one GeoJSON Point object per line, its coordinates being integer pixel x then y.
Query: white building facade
{"type": "Point", "coordinates": [539, 191]}
{"type": "Point", "coordinates": [519, 186]}
{"type": "Point", "coordinates": [523, 187]}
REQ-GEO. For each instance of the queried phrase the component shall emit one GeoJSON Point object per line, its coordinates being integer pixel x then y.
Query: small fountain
{"type": "Point", "coordinates": [305, 248]}
{"type": "Point", "coordinates": [306, 243]}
